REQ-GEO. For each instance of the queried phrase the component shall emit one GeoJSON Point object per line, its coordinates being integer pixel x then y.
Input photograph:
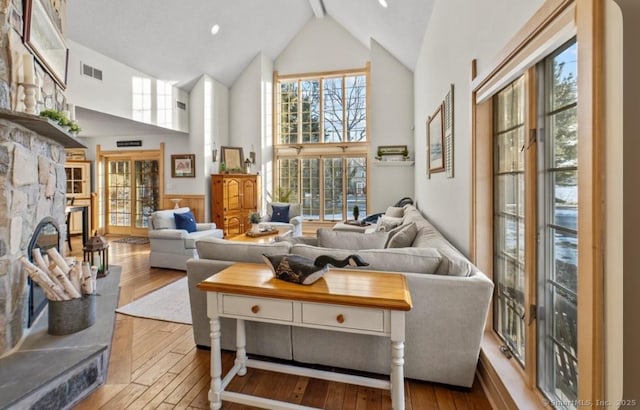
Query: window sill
{"type": "Point", "coordinates": [503, 380]}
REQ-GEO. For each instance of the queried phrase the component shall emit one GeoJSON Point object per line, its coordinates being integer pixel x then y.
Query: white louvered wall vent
{"type": "Point", "coordinates": [89, 71]}
{"type": "Point", "coordinates": [181, 105]}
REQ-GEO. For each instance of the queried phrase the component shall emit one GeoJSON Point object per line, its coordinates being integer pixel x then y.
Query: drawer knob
{"type": "Point", "coordinates": [340, 318]}
{"type": "Point", "coordinates": [255, 308]}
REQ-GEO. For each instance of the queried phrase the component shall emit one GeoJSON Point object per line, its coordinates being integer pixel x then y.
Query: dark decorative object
{"type": "Point", "coordinates": [302, 270]}
{"type": "Point", "coordinates": [100, 246]}
{"type": "Point", "coordinates": [70, 316]}
{"type": "Point", "coordinates": [356, 212]}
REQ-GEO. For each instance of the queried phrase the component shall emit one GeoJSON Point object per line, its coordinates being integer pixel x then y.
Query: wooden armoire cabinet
{"type": "Point", "coordinates": [233, 196]}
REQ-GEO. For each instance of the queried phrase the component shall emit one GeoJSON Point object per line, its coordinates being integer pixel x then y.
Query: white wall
{"type": "Point", "coordinates": [112, 95]}
{"type": "Point", "coordinates": [265, 154]}
{"type": "Point", "coordinates": [391, 121]}
{"type": "Point", "coordinates": [321, 45]}
{"type": "Point", "coordinates": [245, 100]}
{"type": "Point", "coordinates": [458, 31]}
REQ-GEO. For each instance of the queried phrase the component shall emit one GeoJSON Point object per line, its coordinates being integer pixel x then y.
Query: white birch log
{"type": "Point", "coordinates": [52, 290]}
{"type": "Point", "coordinates": [64, 281]}
{"type": "Point", "coordinates": [75, 274]}
{"type": "Point", "coordinates": [94, 277]}
{"type": "Point", "coordinates": [42, 261]}
{"type": "Point", "coordinates": [86, 283]}
{"type": "Point", "coordinates": [59, 260]}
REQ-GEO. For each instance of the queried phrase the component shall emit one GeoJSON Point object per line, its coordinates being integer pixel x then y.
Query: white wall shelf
{"type": "Point", "coordinates": [380, 163]}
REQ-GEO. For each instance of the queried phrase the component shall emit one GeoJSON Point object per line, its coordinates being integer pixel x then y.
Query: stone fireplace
{"type": "Point", "coordinates": [32, 188]}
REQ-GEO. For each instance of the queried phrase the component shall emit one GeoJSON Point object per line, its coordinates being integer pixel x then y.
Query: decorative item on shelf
{"type": "Point", "coordinates": [223, 167]}
{"type": "Point", "coordinates": [356, 212]}
{"type": "Point", "coordinates": [247, 166]}
{"type": "Point", "coordinates": [392, 153]}
{"type": "Point", "coordinates": [97, 244]}
{"type": "Point", "coordinates": [254, 219]}
{"type": "Point", "coordinates": [302, 270]}
{"type": "Point", "coordinates": [175, 202]}
{"type": "Point", "coordinates": [62, 119]}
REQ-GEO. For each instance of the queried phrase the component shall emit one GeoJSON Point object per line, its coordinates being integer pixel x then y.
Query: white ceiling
{"type": "Point", "coordinates": [171, 39]}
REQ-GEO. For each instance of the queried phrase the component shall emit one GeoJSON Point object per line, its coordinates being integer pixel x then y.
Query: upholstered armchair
{"type": "Point", "coordinates": [283, 214]}
{"type": "Point", "coordinates": [172, 237]}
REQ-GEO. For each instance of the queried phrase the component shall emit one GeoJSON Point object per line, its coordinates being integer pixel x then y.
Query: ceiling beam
{"type": "Point", "coordinates": [318, 8]}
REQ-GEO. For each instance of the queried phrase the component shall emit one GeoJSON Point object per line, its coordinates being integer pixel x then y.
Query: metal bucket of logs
{"type": "Point", "coordinates": [69, 285]}
{"type": "Point", "coordinates": [70, 316]}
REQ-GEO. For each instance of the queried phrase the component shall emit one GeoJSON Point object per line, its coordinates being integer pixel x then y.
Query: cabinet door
{"type": "Point", "coordinates": [232, 194]}
{"type": "Point", "coordinates": [78, 178]}
{"type": "Point", "coordinates": [234, 224]}
{"type": "Point", "coordinates": [249, 194]}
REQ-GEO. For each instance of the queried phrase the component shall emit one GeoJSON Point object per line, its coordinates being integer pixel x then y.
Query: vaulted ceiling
{"type": "Point", "coordinates": [172, 40]}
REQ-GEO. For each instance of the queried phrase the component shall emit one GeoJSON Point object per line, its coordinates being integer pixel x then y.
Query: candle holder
{"type": "Point", "coordinates": [97, 244]}
{"type": "Point", "coordinates": [29, 99]}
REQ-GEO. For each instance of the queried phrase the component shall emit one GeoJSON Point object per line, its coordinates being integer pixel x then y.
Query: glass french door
{"type": "Point", "coordinates": [133, 193]}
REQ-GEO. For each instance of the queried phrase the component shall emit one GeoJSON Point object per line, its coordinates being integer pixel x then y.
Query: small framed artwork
{"type": "Point", "coordinates": [435, 142]}
{"type": "Point", "coordinates": [233, 158]}
{"type": "Point", "coordinates": [43, 39]}
{"type": "Point", "coordinates": [183, 166]}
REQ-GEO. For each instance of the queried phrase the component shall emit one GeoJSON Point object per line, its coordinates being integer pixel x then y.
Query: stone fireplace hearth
{"type": "Point", "coordinates": [32, 187]}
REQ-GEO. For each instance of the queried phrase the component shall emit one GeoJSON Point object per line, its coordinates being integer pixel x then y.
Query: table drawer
{"type": "Point", "coordinates": [343, 316]}
{"type": "Point", "coordinates": [257, 307]}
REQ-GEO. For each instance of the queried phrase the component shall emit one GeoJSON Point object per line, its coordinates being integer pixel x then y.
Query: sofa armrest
{"type": "Point", "coordinates": [205, 226]}
{"type": "Point", "coordinates": [168, 234]}
{"type": "Point", "coordinates": [265, 218]}
{"type": "Point", "coordinates": [296, 220]}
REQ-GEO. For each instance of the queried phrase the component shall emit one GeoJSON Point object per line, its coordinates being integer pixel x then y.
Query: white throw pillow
{"type": "Point", "coordinates": [387, 223]}
{"type": "Point", "coordinates": [394, 212]}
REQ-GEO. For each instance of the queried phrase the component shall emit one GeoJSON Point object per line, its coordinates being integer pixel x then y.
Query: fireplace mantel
{"type": "Point", "coordinates": [43, 126]}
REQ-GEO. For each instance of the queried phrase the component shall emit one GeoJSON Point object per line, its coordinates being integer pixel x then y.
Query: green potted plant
{"type": "Point", "coordinates": [254, 219]}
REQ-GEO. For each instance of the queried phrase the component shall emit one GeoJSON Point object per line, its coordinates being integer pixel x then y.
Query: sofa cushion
{"type": "Point", "coordinates": [387, 223]}
{"type": "Point", "coordinates": [224, 250]}
{"type": "Point", "coordinates": [280, 213]}
{"type": "Point", "coordinates": [417, 260]}
{"type": "Point", "coordinates": [185, 221]}
{"type": "Point", "coordinates": [394, 212]}
{"type": "Point", "coordinates": [328, 238]}
{"type": "Point", "coordinates": [402, 236]}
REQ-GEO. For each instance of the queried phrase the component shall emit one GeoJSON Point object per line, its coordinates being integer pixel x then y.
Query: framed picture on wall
{"type": "Point", "coordinates": [183, 166]}
{"type": "Point", "coordinates": [233, 158]}
{"type": "Point", "coordinates": [44, 40]}
{"type": "Point", "coordinates": [435, 142]}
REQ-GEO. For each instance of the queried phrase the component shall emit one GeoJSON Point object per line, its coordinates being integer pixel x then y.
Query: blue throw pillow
{"type": "Point", "coordinates": [280, 213]}
{"type": "Point", "coordinates": [185, 221]}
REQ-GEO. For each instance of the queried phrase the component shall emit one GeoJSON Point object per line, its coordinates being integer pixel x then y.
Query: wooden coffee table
{"type": "Point", "coordinates": [344, 300]}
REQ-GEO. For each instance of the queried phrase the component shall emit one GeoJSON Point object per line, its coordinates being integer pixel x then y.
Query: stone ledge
{"type": "Point", "coordinates": [58, 371]}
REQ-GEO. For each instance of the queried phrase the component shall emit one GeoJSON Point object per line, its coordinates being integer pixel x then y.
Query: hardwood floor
{"type": "Point", "coordinates": [155, 365]}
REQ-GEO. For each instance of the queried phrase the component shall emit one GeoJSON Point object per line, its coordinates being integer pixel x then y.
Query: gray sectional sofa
{"type": "Point", "coordinates": [451, 298]}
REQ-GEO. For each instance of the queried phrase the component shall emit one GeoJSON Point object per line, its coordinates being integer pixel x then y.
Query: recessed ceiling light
{"type": "Point", "coordinates": [216, 28]}
{"type": "Point", "coordinates": [383, 3]}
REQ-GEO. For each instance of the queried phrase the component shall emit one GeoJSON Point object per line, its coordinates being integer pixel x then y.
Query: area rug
{"type": "Point", "coordinates": [170, 303]}
{"type": "Point", "coordinates": [135, 240]}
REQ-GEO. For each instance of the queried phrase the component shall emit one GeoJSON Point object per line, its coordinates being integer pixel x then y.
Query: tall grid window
{"type": "Point", "coordinates": [536, 171]}
{"type": "Point", "coordinates": [509, 239]}
{"type": "Point", "coordinates": [164, 106]}
{"type": "Point", "coordinates": [321, 143]}
{"type": "Point", "coordinates": [141, 99]}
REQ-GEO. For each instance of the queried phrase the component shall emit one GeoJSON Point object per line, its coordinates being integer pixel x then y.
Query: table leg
{"type": "Point", "coordinates": [85, 225]}
{"type": "Point", "coordinates": [241, 351]}
{"type": "Point", "coordinates": [215, 393]}
{"type": "Point", "coordinates": [397, 375]}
